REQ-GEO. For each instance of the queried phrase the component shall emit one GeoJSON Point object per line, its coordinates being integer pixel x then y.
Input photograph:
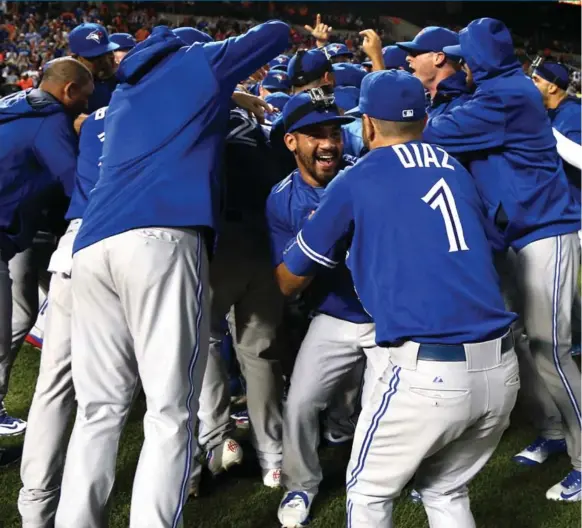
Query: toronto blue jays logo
{"type": "Point", "coordinates": [280, 77]}
{"type": "Point", "coordinates": [281, 59]}
{"type": "Point", "coordinates": [95, 35]}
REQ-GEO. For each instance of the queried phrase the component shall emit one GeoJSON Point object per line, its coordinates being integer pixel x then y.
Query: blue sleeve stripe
{"type": "Point", "coordinates": [316, 257]}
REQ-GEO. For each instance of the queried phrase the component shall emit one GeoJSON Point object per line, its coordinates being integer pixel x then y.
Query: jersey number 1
{"type": "Point", "coordinates": [441, 197]}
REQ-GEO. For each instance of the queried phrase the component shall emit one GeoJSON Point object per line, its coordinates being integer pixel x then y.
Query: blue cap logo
{"type": "Point", "coordinates": [95, 36]}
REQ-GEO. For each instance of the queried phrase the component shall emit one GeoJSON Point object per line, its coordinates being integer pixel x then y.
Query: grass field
{"type": "Point", "coordinates": [505, 495]}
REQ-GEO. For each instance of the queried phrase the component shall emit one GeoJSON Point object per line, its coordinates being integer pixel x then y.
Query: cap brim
{"type": "Point", "coordinates": [454, 51]}
{"type": "Point", "coordinates": [354, 112]}
{"type": "Point", "coordinates": [320, 120]}
{"type": "Point", "coordinates": [408, 46]}
{"type": "Point", "coordinates": [100, 51]}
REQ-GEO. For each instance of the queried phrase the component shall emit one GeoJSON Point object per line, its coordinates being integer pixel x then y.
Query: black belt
{"type": "Point", "coordinates": [452, 353]}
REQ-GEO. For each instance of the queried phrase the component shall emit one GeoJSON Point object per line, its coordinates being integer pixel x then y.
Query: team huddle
{"type": "Point", "coordinates": [417, 216]}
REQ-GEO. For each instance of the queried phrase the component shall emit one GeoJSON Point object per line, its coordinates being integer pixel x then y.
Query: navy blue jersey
{"type": "Point", "coordinates": [90, 148]}
{"type": "Point", "coordinates": [419, 255]}
{"type": "Point", "coordinates": [102, 93]}
{"type": "Point", "coordinates": [289, 205]}
{"type": "Point", "coordinates": [451, 92]}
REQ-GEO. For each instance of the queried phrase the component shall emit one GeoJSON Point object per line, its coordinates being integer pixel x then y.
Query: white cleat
{"type": "Point", "coordinates": [294, 509]}
{"type": "Point", "coordinates": [10, 426]}
{"type": "Point", "coordinates": [225, 455]}
{"type": "Point", "coordinates": [272, 478]}
{"type": "Point", "coordinates": [568, 490]}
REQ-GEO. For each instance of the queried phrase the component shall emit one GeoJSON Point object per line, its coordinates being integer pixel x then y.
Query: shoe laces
{"type": "Point", "coordinates": [572, 480]}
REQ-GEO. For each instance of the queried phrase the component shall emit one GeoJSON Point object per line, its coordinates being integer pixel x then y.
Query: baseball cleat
{"type": "Point", "coordinates": [272, 478]}
{"type": "Point", "coordinates": [294, 509]}
{"type": "Point", "coordinates": [576, 350]}
{"type": "Point", "coordinates": [337, 438]}
{"type": "Point", "coordinates": [225, 455]}
{"type": "Point", "coordinates": [241, 419]}
{"type": "Point", "coordinates": [568, 490]}
{"type": "Point", "coordinates": [10, 426]}
{"type": "Point", "coordinates": [539, 451]}
{"type": "Point", "coordinates": [415, 497]}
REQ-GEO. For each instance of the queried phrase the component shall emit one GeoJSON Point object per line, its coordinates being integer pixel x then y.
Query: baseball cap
{"type": "Point", "coordinates": [192, 35]}
{"type": "Point", "coordinates": [347, 74]}
{"type": "Point", "coordinates": [553, 72]}
{"type": "Point", "coordinates": [278, 100]}
{"type": "Point", "coordinates": [307, 66]}
{"type": "Point", "coordinates": [279, 62]}
{"type": "Point", "coordinates": [90, 40]}
{"type": "Point", "coordinates": [336, 50]}
{"type": "Point", "coordinates": [276, 80]}
{"type": "Point", "coordinates": [432, 38]}
{"type": "Point", "coordinates": [346, 97]}
{"type": "Point", "coordinates": [454, 52]}
{"type": "Point", "coordinates": [124, 41]}
{"type": "Point", "coordinates": [312, 107]}
{"type": "Point", "coordinates": [394, 58]}
{"type": "Point", "coordinates": [406, 100]}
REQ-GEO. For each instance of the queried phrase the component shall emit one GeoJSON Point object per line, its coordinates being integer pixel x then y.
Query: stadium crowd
{"type": "Point", "coordinates": [393, 273]}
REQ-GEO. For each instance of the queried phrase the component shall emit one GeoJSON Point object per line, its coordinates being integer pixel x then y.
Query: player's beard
{"type": "Point", "coordinates": [318, 173]}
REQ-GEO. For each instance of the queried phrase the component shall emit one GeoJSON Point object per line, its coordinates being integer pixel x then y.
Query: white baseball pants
{"type": "Point", "coordinates": [439, 420]}
{"type": "Point", "coordinates": [139, 309]}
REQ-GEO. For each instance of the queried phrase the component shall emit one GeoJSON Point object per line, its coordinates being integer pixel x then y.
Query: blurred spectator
{"type": "Point", "coordinates": [25, 82]}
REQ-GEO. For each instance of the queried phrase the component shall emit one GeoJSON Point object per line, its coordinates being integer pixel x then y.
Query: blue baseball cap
{"type": "Point", "coordinates": [391, 95]}
{"type": "Point", "coordinates": [346, 97]}
{"type": "Point", "coordinates": [192, 35]}
{"type": "Point", "coordinates": [124, 41]}
{"type": "Point", "coordinates": [279, 62]}
{"type": "Point", "coordinates": [278, 100]}
{"type": "Point", "coordinates": [432, 38]}
{"type": "Point", "coordinates": [553, 72]}
{"type": "Point", "coordinates": [312, 107]}
{"type": "Point", "coordinates": [276, 80]}
{"type": "Point", "coordinates": [347, 74]}
{"type": "Point", "coordinates": [90, 40]}
{"type": "Point", "coordinates": [308, 66]}
{"type": "Point", "coordinates": [454, 52]}
{"type": "Point", "coordinates": [337, 50]}
{"type": "Point", "coordinates": [394, 58]}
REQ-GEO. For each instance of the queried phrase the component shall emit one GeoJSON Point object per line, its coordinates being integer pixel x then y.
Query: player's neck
{"type": "Point", "coordinates": [555, 100]}
{"type": "Point", "coordinates": [441, 75]}
{"type": "Point", "coordinates": [380, 141]}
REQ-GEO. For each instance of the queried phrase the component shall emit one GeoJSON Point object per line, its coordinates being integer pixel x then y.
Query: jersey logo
{"type": "Point", "coordinates": [95, 36]}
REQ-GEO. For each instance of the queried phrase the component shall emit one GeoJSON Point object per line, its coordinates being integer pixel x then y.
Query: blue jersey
{"type": "Point", "coordinates": [352, 138]}
{"type": "Point", "coordinates": [451, 92]}
{"type": "Point", "coordinates": [90, 148]}
{"type": "Point", "coordinates": [164, 142]}
{"type": "Point", "coordinates": [289, 205]}
{"type": "Point", "coordinates": [504, 134]}
{"type": "Point", "coordinates": [419, 255]}
{"type": "Point", "coordinates": [38, 155]}
{"type": "Point", "coordinates": [566, 120]}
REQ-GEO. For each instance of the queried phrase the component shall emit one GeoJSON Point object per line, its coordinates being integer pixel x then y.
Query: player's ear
{"type": "Point", "coordinates": [439, 58]}
{"type": "Point", "coordinates": [291, 142]}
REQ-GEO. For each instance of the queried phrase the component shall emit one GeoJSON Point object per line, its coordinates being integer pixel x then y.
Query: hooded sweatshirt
{"type": "Point", "coordinates": [505, 130]}
{"type": "Point", "coordinates": [164, 142]}
{"type": "Point", "coordinates": [451, 92]}
{"type": "Point", "coordinates": [38, 155]}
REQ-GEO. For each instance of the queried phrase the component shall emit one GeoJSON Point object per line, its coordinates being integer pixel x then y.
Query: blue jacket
{"type": "Point", "coordinates": [162, 156]}
{"type": "Point", "coordinates": [90, 148]}
{"type": "Point", "coordinates": [38, 155]}
{"type": "Point", "coordinates": [288, 207]}
{"type": "Point", "coordinates": [102, 93]}
{"type": "Point", "coordinates": [506, 134]}
{"type": "Point", "coordinates": [451, 92]}
{"type": "Point", "coordinates": [566, 120]}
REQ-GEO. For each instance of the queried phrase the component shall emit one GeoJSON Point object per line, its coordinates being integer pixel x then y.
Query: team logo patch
{"type": "Point", "coordinates": [95, 36]}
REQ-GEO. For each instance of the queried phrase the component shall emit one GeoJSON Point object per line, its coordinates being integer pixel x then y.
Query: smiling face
{"type": "Point", "coordinates": [318, 150]}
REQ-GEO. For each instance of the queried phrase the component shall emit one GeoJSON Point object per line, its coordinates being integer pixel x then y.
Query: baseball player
{"type": "Point", "coordinates": [140, 270]}
{"type": "Point", "coordinates": [54, 396]}
{"type": "Point", "coordinates": [89, 43]}
{"type": "Point", "coordinates": [440, 75]}
{"type": "Point", "coordinates": [279, 63]}
{"type": "Point", "coordinates": [394, 59]}
{"type": "Point", "coordinates": [274, 82]}
{"type": "Point", "coordinates": [254, 304]}
{"type": "Point", "coordinates": [331, 356]}
{"type": "Point", "coordinates": [443, 401]}
{"type": "Point", "coordinates": [125, 43]}
{"type": "Point", "coordinates": [338, 53]}
{"type": "Point", "coordinates": [39, 149]}
{"type": "Point", "coordinates": [504, 133]}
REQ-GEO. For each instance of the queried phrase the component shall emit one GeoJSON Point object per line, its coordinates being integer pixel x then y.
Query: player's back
{"type": "Point", "coordinates": [420, 258]}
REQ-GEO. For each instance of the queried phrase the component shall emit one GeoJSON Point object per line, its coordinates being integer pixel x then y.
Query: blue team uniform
{"type": "Point", "coordinates": [289, 205]}
{"type": "Point", "coordinates": [417, 234]}
{"type": "Point", "coordinates": [352, 138]}
{"type": "Point", "coordinates": [566, 119]}
{"type": "Point", "coordinates": [102, 93]}
{"type": "Point", "coordinates": [38, 155]}
{"type": "Point", "coordinates": [168, 171]}
{"type": "Point", "coordinates": [504, 133]}
{"type": "Point", "coordinates": [451, 92]}
{"type": "Point", "coordinates": [90, 148]}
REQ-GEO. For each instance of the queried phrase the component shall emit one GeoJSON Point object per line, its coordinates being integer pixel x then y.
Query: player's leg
{"type": "Point", "coordinates": [162, 280]}
{"type": "Point", "coordinates": [105, 376]}
{"type": "Point", "coordinates": [443, 478]}
{"type": "Point", "coordinates": [329, 354]}
{"type": "Point", "coordinates": [549, 271]}
{"type": "Point", "coordinates": [52, 403]}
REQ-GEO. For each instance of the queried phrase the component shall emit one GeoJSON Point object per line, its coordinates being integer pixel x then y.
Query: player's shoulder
{"type": "Point", "coordinates": [281, 191]}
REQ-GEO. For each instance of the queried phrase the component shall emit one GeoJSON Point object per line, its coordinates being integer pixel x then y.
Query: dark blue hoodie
{"type": "Point", "coordinates": [165, 131]}
{"type": "Point", "coordinates": [505, 130]}
{"type": "Point", "coordinates": [38, 155]}
{"type": "Point", "coordinates": [451, 92]}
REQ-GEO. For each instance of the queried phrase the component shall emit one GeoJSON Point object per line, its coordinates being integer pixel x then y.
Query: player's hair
{"type": "Point", "coordinates": [65, 70]}
{"type": "Point", "coordinates": [399, 128]}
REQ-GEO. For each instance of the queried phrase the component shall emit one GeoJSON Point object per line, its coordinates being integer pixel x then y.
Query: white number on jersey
{"type": "Point", "coordinates": [100, 114]}
{"type": "Point", "coordinates": [441, 197]}
{"type": "Point", "coordinates": [101, 137]}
